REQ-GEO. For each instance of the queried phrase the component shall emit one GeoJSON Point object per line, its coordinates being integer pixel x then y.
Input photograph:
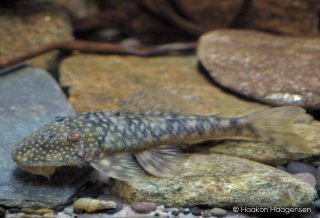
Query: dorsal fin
{"type": "Point", "coordinates": [152, 100]}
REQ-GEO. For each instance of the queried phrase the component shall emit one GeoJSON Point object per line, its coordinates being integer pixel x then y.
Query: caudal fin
{"type": "Point", "coordinates": [275, 126]}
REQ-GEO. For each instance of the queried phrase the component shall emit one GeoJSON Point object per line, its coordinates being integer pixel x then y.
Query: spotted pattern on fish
{"type": "Point", "coordinates": [127, 143]}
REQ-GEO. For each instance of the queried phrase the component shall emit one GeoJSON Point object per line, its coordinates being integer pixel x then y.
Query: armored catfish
{"type": "Point", "coordinates": [144, 136]}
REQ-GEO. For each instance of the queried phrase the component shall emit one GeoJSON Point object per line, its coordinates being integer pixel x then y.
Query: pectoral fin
{"type": "Point", "coordinates": [120, 166]}
{"type": "Point", "coordinates": [162, 161]}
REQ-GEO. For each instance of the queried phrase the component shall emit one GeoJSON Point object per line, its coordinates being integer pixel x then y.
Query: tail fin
{"type": "Point", "coordinates": [275, 126]}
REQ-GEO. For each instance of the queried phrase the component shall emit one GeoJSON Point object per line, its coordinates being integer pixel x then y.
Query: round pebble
{"type": "Point", "coordinates": [196, 211]}
{"type": "Point", "coordinates": [316, 203]}
{"type": "Point", "coordinates": [28, 210]}
{"type": "Point", "coordinates": [144, 207]}
{"type": "Point", "coordinates": [44, 211]}
{"type": "Point", "coordinates": [68, 210]}
{"type": "Point", "coordinates": [206, 213]}
{"type": "Point", "coordinates": [316, 163]}
{"type": "Point", "coordinates": [218, 212]}
{"type": "Point", "coordinates": [306, 177]}
{"type": "Point", "coordinates": [14, 210]}
{"type": "Point", "coordinates": [185, 211]}
{"type": "Point", "coordinates": [2, 212]}
{"type": "Point", "coordinates": [119, 205]}
{"type": "Point", "coordinates": [298, 167]}
{"type": "Point", "coordinates": [161, 208]}
{"type": "Point", "coordinates": [175, 212]}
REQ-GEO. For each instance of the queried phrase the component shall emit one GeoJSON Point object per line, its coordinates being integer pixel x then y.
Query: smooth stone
{"type": "Point", "coordinates": [298, 167]}
{"type": "Point", "coordinates": [218, 180]}
{"type": "Point", "coordinates": [30, 98]}
{"type": "Point", "coordinates": [316, 203]}
{"type": "Point", "coordinates": [144, 207]}
{"type": "Point", "coordinates": [316, 163]}
{"type": "Point", "coordinates": [175, 212]}
{"type": "Point", "coordinates": [93, 205]}
{"type": "Point", "coordinates": [306, 177]}
{"type": "Point", "coordinates": [218, 212]}
{"type": "Point", "coordinates": [318, 176]}
{"type": "Point", "coordinates": [100, 83]}
{"type": "Point", "coordinates": [185, 211]}
{"type": "Point", "coordinates": [108, 197]}
{"type": "Point", "coordinates": [14, 210]}
{"type": "Point", "coordinates": [43, 211]}
{"type": "Point", "coordinates": [206, 213]}
{"type": "Point", "coordinates": [24, 31]}
{"type": "Point", "coordinates": [27, 210]}
{"type": "Point", "coordinates": [2, 212]}
{"type": "Point", "coordinates": [196, 211]}
{"type": "Point", "coordinates": [68, 210]}
{"type": "Point", "coordinates": [277, 70]}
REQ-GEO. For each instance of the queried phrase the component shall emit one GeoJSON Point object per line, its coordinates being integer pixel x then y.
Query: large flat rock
{"type": "Point", "coordinates": [223, 181]}
{"type": "Point", "coordinates": [24, 30]}
{"type": "Point", "coordinates": [100, 83]}
{"type": "Point", "coordinates": [271, 69]}
{"type": "Point", "coordinates": [29, 99]}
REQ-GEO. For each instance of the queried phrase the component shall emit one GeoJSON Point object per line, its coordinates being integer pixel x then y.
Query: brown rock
{"type": "Point", "coordinates": [2, 212]}
{"type": "Point", "coordinates": [23, 31]}
{"type": "Point", "coordinates": [28, 210]}
{"type": "Point", "coordinates": [167, 22]}
{"type": "Point", "coordinates": [272, 69]}
{"type": "Point", "coordinates": [221, 181]}
{"type": "Point", "coordinates": [210, 14]}
{"type": "Point", "coordinates": [297, 18]}
{"type": "Point", "coordinates": [78, 8]}
{"type": "Point", "coordinates": [100, 83]}
{"type": "Point", "coordinates": [144, 207]}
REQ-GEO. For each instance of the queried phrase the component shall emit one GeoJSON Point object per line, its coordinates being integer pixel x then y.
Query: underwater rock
{"type": "Point", "coordinates": [222, 181]}
{"type": "Point", "coordinates": [22, 31]}
{"type": "Point", "coordinates": [143, 207]}
{"type": "Point", "coordinates": [101, 83]}
{"type": "Point", "coordinates": [307, 178]}
{"type": "Point", "coordinates": [30, 98]}
{"type": "Point", "coordinates": [298, 167]}
{"type": "Point", "coordinates": [93, 205]}
{"type": "Point", "coordinates": [296, 18]}
{"type": "Point", "coordinates": [78, 8]}
{"type": "Point", "coordinates": [271, 69]}
{"type": "Point", "coordinates": [218, 212]}
{"type": "Point", "coordinates": [211, 14]}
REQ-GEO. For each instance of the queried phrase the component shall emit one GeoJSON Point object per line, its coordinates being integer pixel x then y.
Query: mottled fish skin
{"type": "Point", "coordinates": [125, 144]}
{"type": "Point", "coordinates": [102, 133]}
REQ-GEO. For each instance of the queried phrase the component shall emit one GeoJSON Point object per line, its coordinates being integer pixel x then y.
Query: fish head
{"type": "Point", "coordinates": [53, 145]}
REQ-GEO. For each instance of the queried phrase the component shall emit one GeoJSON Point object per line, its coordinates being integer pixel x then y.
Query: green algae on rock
{"type": "Point", "coordinates": [23, 31]}
{"type": "Point", "coordinates": [100, 83]}
{"type": "Point", "coordinates": [271, 69]}
{"type": "Point", "coordinates": [222, 181]}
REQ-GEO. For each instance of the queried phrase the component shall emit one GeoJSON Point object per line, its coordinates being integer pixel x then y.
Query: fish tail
{"type": "Point", "coordinates": [275, 126]}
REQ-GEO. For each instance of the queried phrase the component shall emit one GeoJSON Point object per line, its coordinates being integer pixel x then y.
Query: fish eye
{"type": "Point", "coordinates": [73, 137]}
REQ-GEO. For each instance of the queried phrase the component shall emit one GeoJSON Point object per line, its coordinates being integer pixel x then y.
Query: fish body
{"type": "Point", "coordinates": [143, 137]}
